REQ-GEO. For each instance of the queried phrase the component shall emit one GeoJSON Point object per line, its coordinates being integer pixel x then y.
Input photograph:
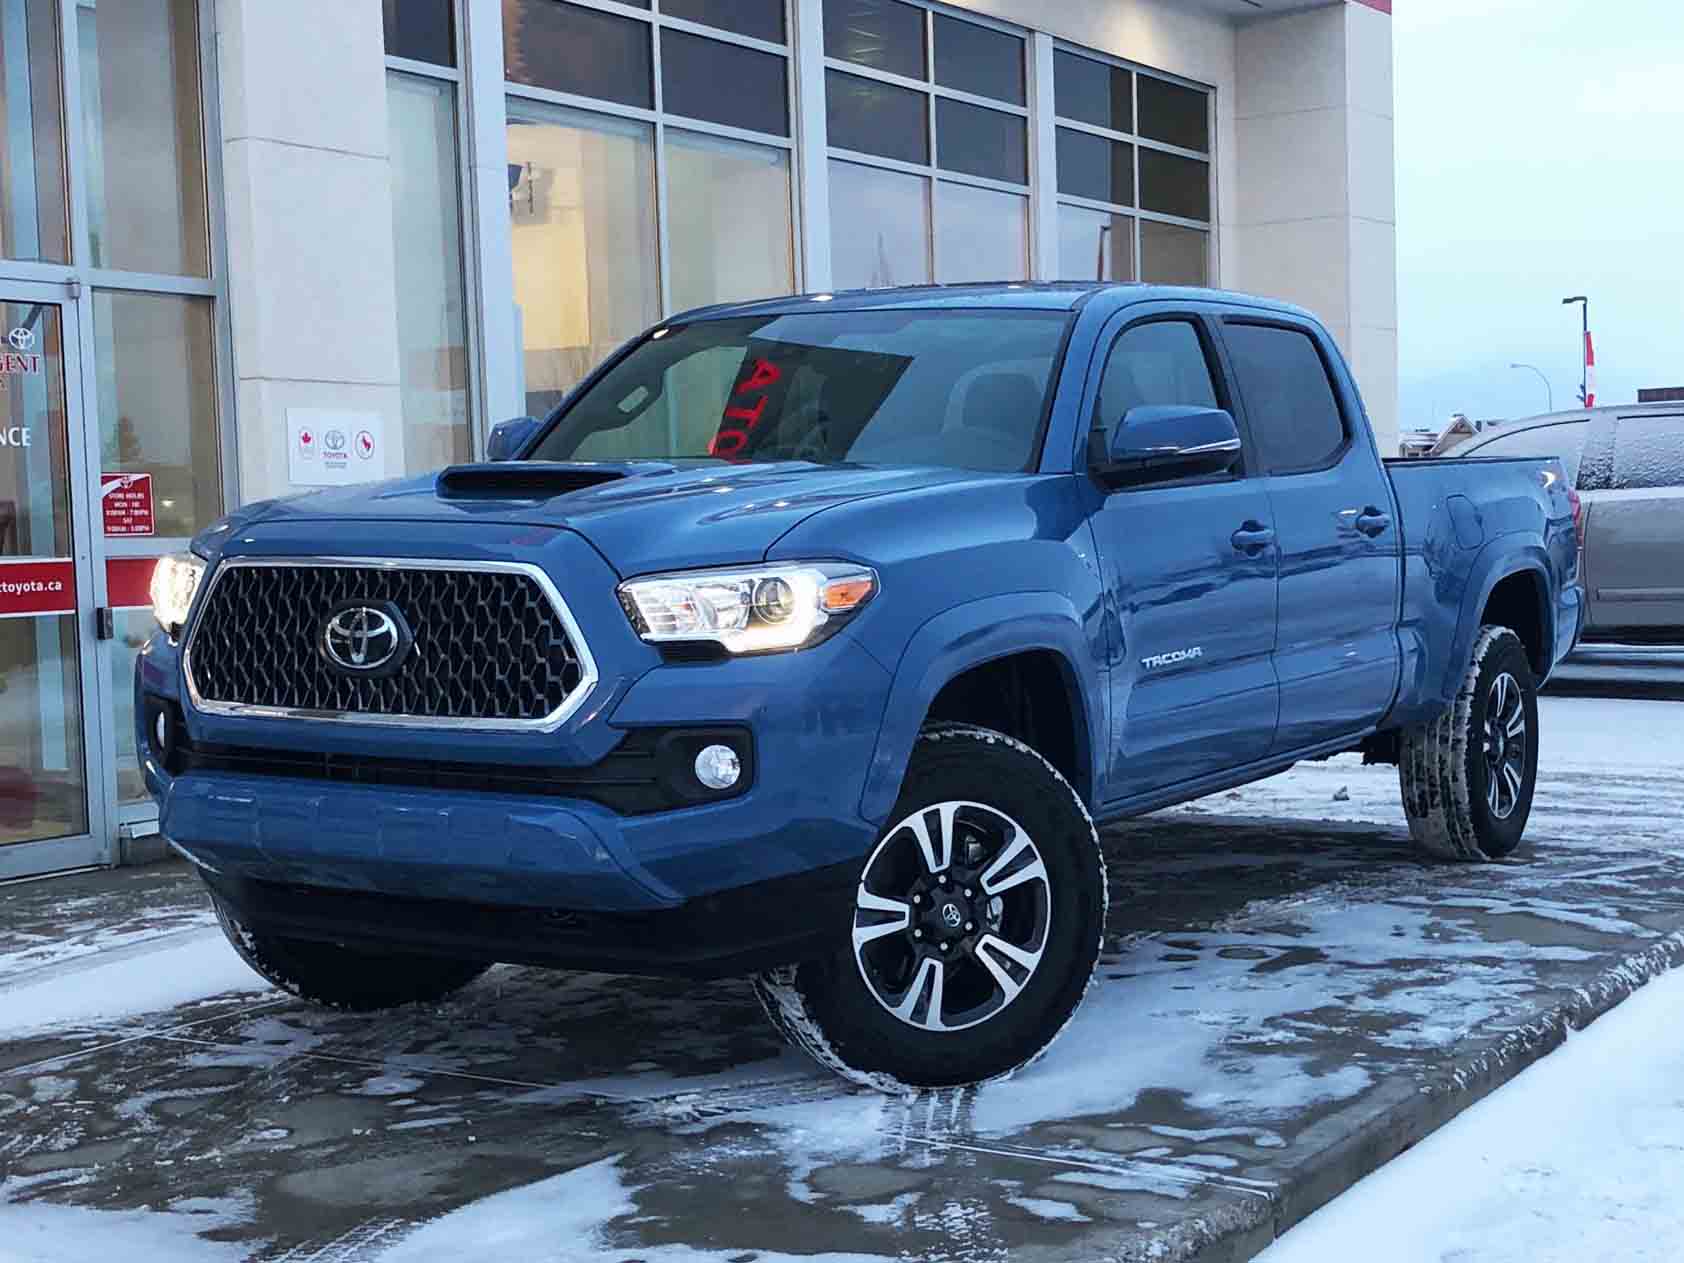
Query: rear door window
{"type": "Point", "coordinates": [1159, 363]}
{"type": "Point", "coordinates": [1295, 417]}
{"type": "Point", "coordinates": [1649, 451]}
{"type": "Point", "coordinates": [1564, 439]}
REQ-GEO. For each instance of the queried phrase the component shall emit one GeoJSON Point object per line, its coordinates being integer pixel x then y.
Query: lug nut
{"type": "Point", "coordinates": [944, 879]}
{"type": "Point", "coordinates": [969, 926]}
{"type": "Point", "coordinates": [917, 898]}
{"type": "Point", "coordinates": [968, 893]}
{"type": "Point", "coordinates": [944, 947]}
{"type": "Point", "coordinates": [917, 934]}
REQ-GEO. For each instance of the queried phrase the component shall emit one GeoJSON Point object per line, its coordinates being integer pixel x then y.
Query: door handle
{"type": "Point", "coordinates": [1252, 538]}
{"type": "Point", "coordinates": [1372, 522]}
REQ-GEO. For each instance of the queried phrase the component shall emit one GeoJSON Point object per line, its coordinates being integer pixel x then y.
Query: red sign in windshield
{"type": "Point", "coordinates": [748, 405]}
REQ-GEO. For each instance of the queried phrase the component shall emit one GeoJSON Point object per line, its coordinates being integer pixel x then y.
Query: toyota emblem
{"type": "Point", "coordinates": [361, 639]}
{"type": "Point", "coordinates": [22, 338]}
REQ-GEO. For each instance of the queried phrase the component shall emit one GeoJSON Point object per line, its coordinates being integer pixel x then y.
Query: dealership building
{"type": "Point", "coordinates": [249, 247]}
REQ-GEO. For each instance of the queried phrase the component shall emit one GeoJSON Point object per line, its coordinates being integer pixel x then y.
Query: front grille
{"type": "Point", "coordinates": [489, 644]}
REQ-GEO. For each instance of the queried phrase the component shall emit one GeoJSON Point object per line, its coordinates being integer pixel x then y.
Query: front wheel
{"type": "Point", "coordinates": [341, 978]}
{"type": "Point", "coordinates": [1468, 776]}
{"type": "Point", "coordinates": [975, 930]}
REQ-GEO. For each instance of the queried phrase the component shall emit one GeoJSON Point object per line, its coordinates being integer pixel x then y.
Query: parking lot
{"type": "Point", "coordinates": [1287, 997]}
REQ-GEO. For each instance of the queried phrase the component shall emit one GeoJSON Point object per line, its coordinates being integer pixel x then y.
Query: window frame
{"type": "Point", "coordinates": [661, 119]}
{"type": "Point", "coordinates": [1335, 384]}
{"type": "Point", "coordinates": [931, 171]}
{"type": "Point", "coordinates": [1216, 364]}
{"type": "Point", "coordinates": [1137, 142]}
{"type": "Point", "coordinates": [479, 421]}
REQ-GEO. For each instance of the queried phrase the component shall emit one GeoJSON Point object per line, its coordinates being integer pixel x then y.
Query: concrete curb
{"type": "Point", "coordinates": [1361, 1140]}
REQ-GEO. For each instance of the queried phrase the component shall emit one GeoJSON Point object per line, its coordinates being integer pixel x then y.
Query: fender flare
{"type": "Point", "coordinates": [968, 636]}
{"type": "Point", "coordinates": [1497, 561]}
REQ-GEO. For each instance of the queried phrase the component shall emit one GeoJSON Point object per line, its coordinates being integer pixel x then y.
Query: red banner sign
{"type": "Point", "coordinates": [30, 589]}
{"type": "Point", "coordinates": [127, 503]}
{"type": "Point", "coordinates": [128, 582]}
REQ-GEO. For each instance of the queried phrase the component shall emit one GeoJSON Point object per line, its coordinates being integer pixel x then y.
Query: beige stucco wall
{"type": "Point", "coordinates": [1315, 206]}
{"type": "Point", "coordinates": [309, 197]}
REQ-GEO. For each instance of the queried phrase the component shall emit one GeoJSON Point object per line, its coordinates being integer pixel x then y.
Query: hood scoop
{"type": "Point", "coordinates": [522, 480]}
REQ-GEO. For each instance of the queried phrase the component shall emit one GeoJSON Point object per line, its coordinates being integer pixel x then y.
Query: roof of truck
{"type": "Point", "coordinates": [1024, 295]}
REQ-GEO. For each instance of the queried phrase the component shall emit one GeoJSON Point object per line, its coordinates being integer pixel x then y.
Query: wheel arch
{"type": "Point", "coordinates": [1024, 660]}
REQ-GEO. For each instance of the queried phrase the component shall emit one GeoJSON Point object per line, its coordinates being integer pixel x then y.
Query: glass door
{"type": "Point", "coordinates": [54, 802]}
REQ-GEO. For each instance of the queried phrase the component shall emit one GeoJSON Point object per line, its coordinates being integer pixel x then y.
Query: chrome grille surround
{"type": "Point", "coordinates": [575, 652]}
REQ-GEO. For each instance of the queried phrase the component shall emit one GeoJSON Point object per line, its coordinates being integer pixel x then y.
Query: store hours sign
{"type": "Point", "coordinates": [327, 447]}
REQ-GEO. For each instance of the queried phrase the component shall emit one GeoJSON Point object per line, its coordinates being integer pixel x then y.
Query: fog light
{"type": "Point", "coordinates": [718, 767]}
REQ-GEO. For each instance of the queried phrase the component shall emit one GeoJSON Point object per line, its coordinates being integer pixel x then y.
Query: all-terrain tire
{"type": "Point", "coordinates": [340, 978]}
{"type": "Point", "coordinates": [827, 1008]}
{"type": "Point", "coordinates": [1445, 771]}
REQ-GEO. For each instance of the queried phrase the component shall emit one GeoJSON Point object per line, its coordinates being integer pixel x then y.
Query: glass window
{"type": "Point", "coordinates": [582, 202]}
{"type": "Point", "coordinates": [431, 291]}
{"type": "Point", "coordinates": [1649, 452]}
{"type": "Point", "coordinates": [882, 34]}
{"type": "Point", "coordinates": [142, 136]}
{"type": "Point", "coordinates": [981, 234]}
{"type": "Point", "coordinates": [32, 211]}
{"type": "Point", "coordinates": [1173, 185]}
{"type": "Point", "coordinates": [981, 142]}
{"type": "Point", "coordinates": [550, 44]}
{"type": "Point", "coordinates": [1094, 167]}
{"type": "Point", "coordinates": [1565, 439]}
{"type": "Point", "coordinates": [879, 118]}
{"type": "Point", "coordinates": [964, 389]}
{"type": "Point", "coordinates": [729, 235]}
{"type": "Point", "coordinates": [1093, 91]}
{"type": "Point", "coordinates": [421, 30]}
{"type": "Point", "coordinates": [879, 227]}
{"type": "Point", "coordinates": [978, 59]}
{"type": "Point", "coordinates": [724, 83]}
{"type": "Point", "coordinates": [761, 19]}
{"type": "Point", "coordinates": [1154, 364]}
{"type": "Point", "coordinates": [1174, 114]}
{"type": "Point", "coordinates": [1294, 413]}
{"type": "Point", "coordinates": [157, 402]}
{"type": "Point", "coordinates": [1094, 245]}
{"type": "Point", "coordinates": [1173, 255]}
{"type": "Point", "coordinates": [43, 791]}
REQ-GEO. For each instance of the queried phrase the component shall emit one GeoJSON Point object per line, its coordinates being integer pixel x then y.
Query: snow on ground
{"type": "Point", "coordinates": [1598, 763]}
{"type": "Point", "coordinates": [41, 1232]}
{"type": "Point", "coordinates": [146, 977]}
{"type": "Point", "coordinates": [1575, 1159]}
{"type": "Point", "coordinates": [559, 1220]}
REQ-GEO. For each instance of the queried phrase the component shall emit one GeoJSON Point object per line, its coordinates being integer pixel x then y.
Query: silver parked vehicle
{"type": "Point", "coordinates": [1627, 464]}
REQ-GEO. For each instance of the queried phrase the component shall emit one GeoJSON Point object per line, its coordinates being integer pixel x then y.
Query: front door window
{"type": "Point", "coordinates": [43, 769]}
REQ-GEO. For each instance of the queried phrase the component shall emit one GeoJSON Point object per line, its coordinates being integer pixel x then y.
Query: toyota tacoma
{"type": "Point", "coordinates": [811, 639]}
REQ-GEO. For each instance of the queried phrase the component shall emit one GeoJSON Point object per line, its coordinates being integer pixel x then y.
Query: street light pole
{"type": "Point", "coordinates": [1549, 391]}
{"type": "Point", "coordinates": [1584, 343]}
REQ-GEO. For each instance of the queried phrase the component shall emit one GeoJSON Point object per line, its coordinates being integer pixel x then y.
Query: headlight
{"type": "Point", "coordinates": [174, 581]}
{"type": "Point", "coordinates": [750, 610]}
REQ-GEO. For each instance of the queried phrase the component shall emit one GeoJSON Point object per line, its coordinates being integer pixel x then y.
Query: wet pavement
{"type": "Point", "coordinates": [1279, 1009]}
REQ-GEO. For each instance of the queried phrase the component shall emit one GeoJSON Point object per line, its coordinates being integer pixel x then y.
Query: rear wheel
{"type": "Point", "coordinates": [340, 978]}
{"type": "Point", "coordinates": [1468, 776]}
{"type": "Point", "coordinates": [975, 929]}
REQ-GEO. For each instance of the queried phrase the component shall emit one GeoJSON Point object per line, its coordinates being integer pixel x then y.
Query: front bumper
{"type": "Point", "coordinates": [454, 853]}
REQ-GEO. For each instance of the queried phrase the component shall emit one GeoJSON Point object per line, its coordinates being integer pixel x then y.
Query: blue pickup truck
{"type": "Point", "coordinates": [809, 639]}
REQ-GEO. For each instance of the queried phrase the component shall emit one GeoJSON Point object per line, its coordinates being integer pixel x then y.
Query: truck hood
{"type": "Point", "coordinates": [643, 516]}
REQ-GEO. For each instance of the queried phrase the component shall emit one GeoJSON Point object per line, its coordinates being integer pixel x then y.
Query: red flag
{"type": "Point", "coordinates": [1590, 372]}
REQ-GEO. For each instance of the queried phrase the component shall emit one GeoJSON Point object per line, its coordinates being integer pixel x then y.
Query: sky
{"type": "Point", "coordinates": [1540, 154]}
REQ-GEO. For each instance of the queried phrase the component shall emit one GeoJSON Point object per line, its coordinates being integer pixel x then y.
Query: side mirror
{"type": "Point", "coordinates": [1160, 441]}
{"type": "Point", "coordinates": [508, 437]}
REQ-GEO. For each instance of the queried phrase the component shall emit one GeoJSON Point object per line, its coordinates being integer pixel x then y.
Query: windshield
{"type": "Point", "coordinates": [958, 388]}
